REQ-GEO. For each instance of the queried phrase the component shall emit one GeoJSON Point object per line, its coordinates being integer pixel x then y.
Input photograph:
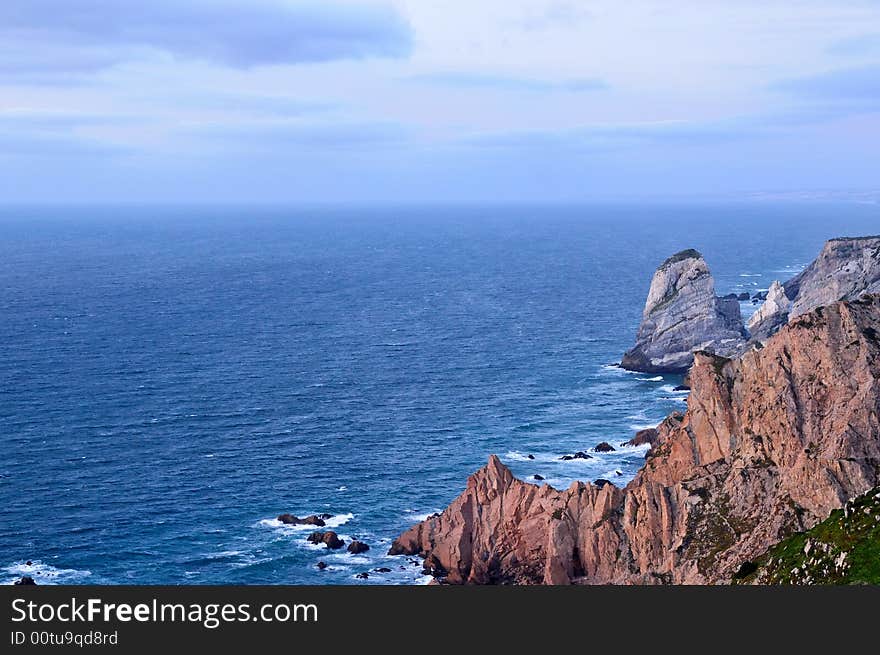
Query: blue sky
{"type": "Point", "coordinates": [402, 101]}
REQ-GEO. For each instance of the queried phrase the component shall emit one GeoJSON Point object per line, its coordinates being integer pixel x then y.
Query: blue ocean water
{"type": "Point", "coordinates": [173, 379]}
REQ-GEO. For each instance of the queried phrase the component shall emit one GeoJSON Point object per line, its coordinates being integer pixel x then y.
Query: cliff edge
{"type": "Point", "coordinates": [770, 444]}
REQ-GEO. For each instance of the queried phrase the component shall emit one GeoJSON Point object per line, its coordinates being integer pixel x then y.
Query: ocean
{"type": "Point", "coordinates": [172, 379]}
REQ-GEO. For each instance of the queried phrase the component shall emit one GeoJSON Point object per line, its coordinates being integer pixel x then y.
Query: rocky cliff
{"type": "Point", "coordinates": [682, 314]}
{"type": "Point", "coordinates": [845, 269]}
{"type": "Point", "coordinates": [770, 444]}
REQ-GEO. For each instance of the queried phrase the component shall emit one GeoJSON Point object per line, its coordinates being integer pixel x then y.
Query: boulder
{"type": "Point", "coordinates": [25, 580]}
{"type": "Point", "coordinates": [604, 447]}
{"type": "Point", "coordinates": [537, 477]}
{"type": "Point", "coordinates": [322, 566]}
{"type": "Point", "coordinates": [363, 576]}
{"type": "Point", "coordinates": [329, 539]}
{"type": "Point", "coordinates": [356, 547]}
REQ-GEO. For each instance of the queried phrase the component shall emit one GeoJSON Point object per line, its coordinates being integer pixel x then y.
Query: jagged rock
{"type": "Point", "coordinates": [772, 314]}
{"type": "Point", "coordinates": [601, 482]}
{"type": "Point", "coordinates": [742, 297]}
{"type": "Point", "coordinates": [682, 315]}
{"type": "Point", "coordinates": [382, 569]}
{"type": "Point", "coordinates": [363, 576]}
{"type": "Point", "coordinates": [647, 436]}
{"type": "Point", "coordinates": [770, 444]}
{"type": "Point", "coordinates": [537, 477]}
{"type": "Point", "coordinates": [604, 447]}
{"type": "Point", "coordinates": [681, 387]}
{"type": "Point", "coordinates": [25, 580]}
{"type": "Point", "coordinates": [357, 547]}
{"type": "Point", "coordinates": [845, 269]}
{"type": "Point", "coordinates": [530, 457]}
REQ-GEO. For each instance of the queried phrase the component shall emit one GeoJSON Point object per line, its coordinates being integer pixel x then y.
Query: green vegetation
{"type": "Point", "coordinates": [843, 549]}
{"type": "Point", "coordinates": [690, 253]}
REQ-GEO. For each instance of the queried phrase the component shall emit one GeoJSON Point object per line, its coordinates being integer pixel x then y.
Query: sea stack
{"type": "Point", "coordinates": [682, 315]}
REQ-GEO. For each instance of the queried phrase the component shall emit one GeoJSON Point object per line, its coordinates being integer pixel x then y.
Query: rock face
{"type": "Point", "coordinates": [772, 314]}
{"type": "Point", "coordinates": [845, 269]}
{"type": "Point", "coordinates": [683, 315]}
{"type": "Point", "coordinates": [771, 443]}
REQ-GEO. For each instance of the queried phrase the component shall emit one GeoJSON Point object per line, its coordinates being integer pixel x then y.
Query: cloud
{"type": "Point", "coordinates": [236, 33]}
{"type": "Point", "coordinates": [568, 15]}
{"type": "Point", "coordinates": [48, 134]}
{"type": "Point", "coordinates": [279, 136]}
{"type": "Point", "coordinates": [852, 85]}
{"type": "Point", "coordinates": [254, 104]}
{"type": "Point", "coordinates": [462, 79]}
{"type": "Point", "coordinates": [856, 46]}
{"type": "Point", "coordinates": [673, 133]}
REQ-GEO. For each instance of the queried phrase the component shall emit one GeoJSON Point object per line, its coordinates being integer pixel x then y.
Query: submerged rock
{"type": "Point", "coordinates": [682, 315]}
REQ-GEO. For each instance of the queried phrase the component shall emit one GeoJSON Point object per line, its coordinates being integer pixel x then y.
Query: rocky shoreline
{"type": "Point", "coordinates": [778, 433]}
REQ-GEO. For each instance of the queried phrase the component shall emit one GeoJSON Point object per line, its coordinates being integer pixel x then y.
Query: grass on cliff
{"type": "Point", "coordinates": [690, 253]}
{"type": "Point", "coordinates": [843, 549]}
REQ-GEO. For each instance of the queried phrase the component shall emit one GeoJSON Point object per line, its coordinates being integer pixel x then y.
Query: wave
{"type": "Point", "coordinates": [751, 275]}
{"type": "Point", "coordinates": [44, 574]}
{"type": "Point", "coordinates": [668, 388]}
{"type": "Point", "coordinates": [658, 378]}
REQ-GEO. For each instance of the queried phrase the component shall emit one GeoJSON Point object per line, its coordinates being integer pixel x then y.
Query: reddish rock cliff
{"type": "Point", "coordinates": [770, 444]}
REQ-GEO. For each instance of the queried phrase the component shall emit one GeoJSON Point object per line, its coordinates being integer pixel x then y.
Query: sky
{"type": "Point", "coordinates": [435, 101]}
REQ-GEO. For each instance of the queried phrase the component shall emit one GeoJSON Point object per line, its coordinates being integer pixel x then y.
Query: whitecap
{"type": "Point", "coordinates": [339, 519]}
{"type": "Point", "coordinates": [668, 388]}
{"type": "Point", "coordinates": [750, 275]}
{"type": "Point", "coordinates": [342, 488]}
{"type": "Point", "coordinates": [44, 574]}
{"type": "Point", "coordinates": [658, 378]}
